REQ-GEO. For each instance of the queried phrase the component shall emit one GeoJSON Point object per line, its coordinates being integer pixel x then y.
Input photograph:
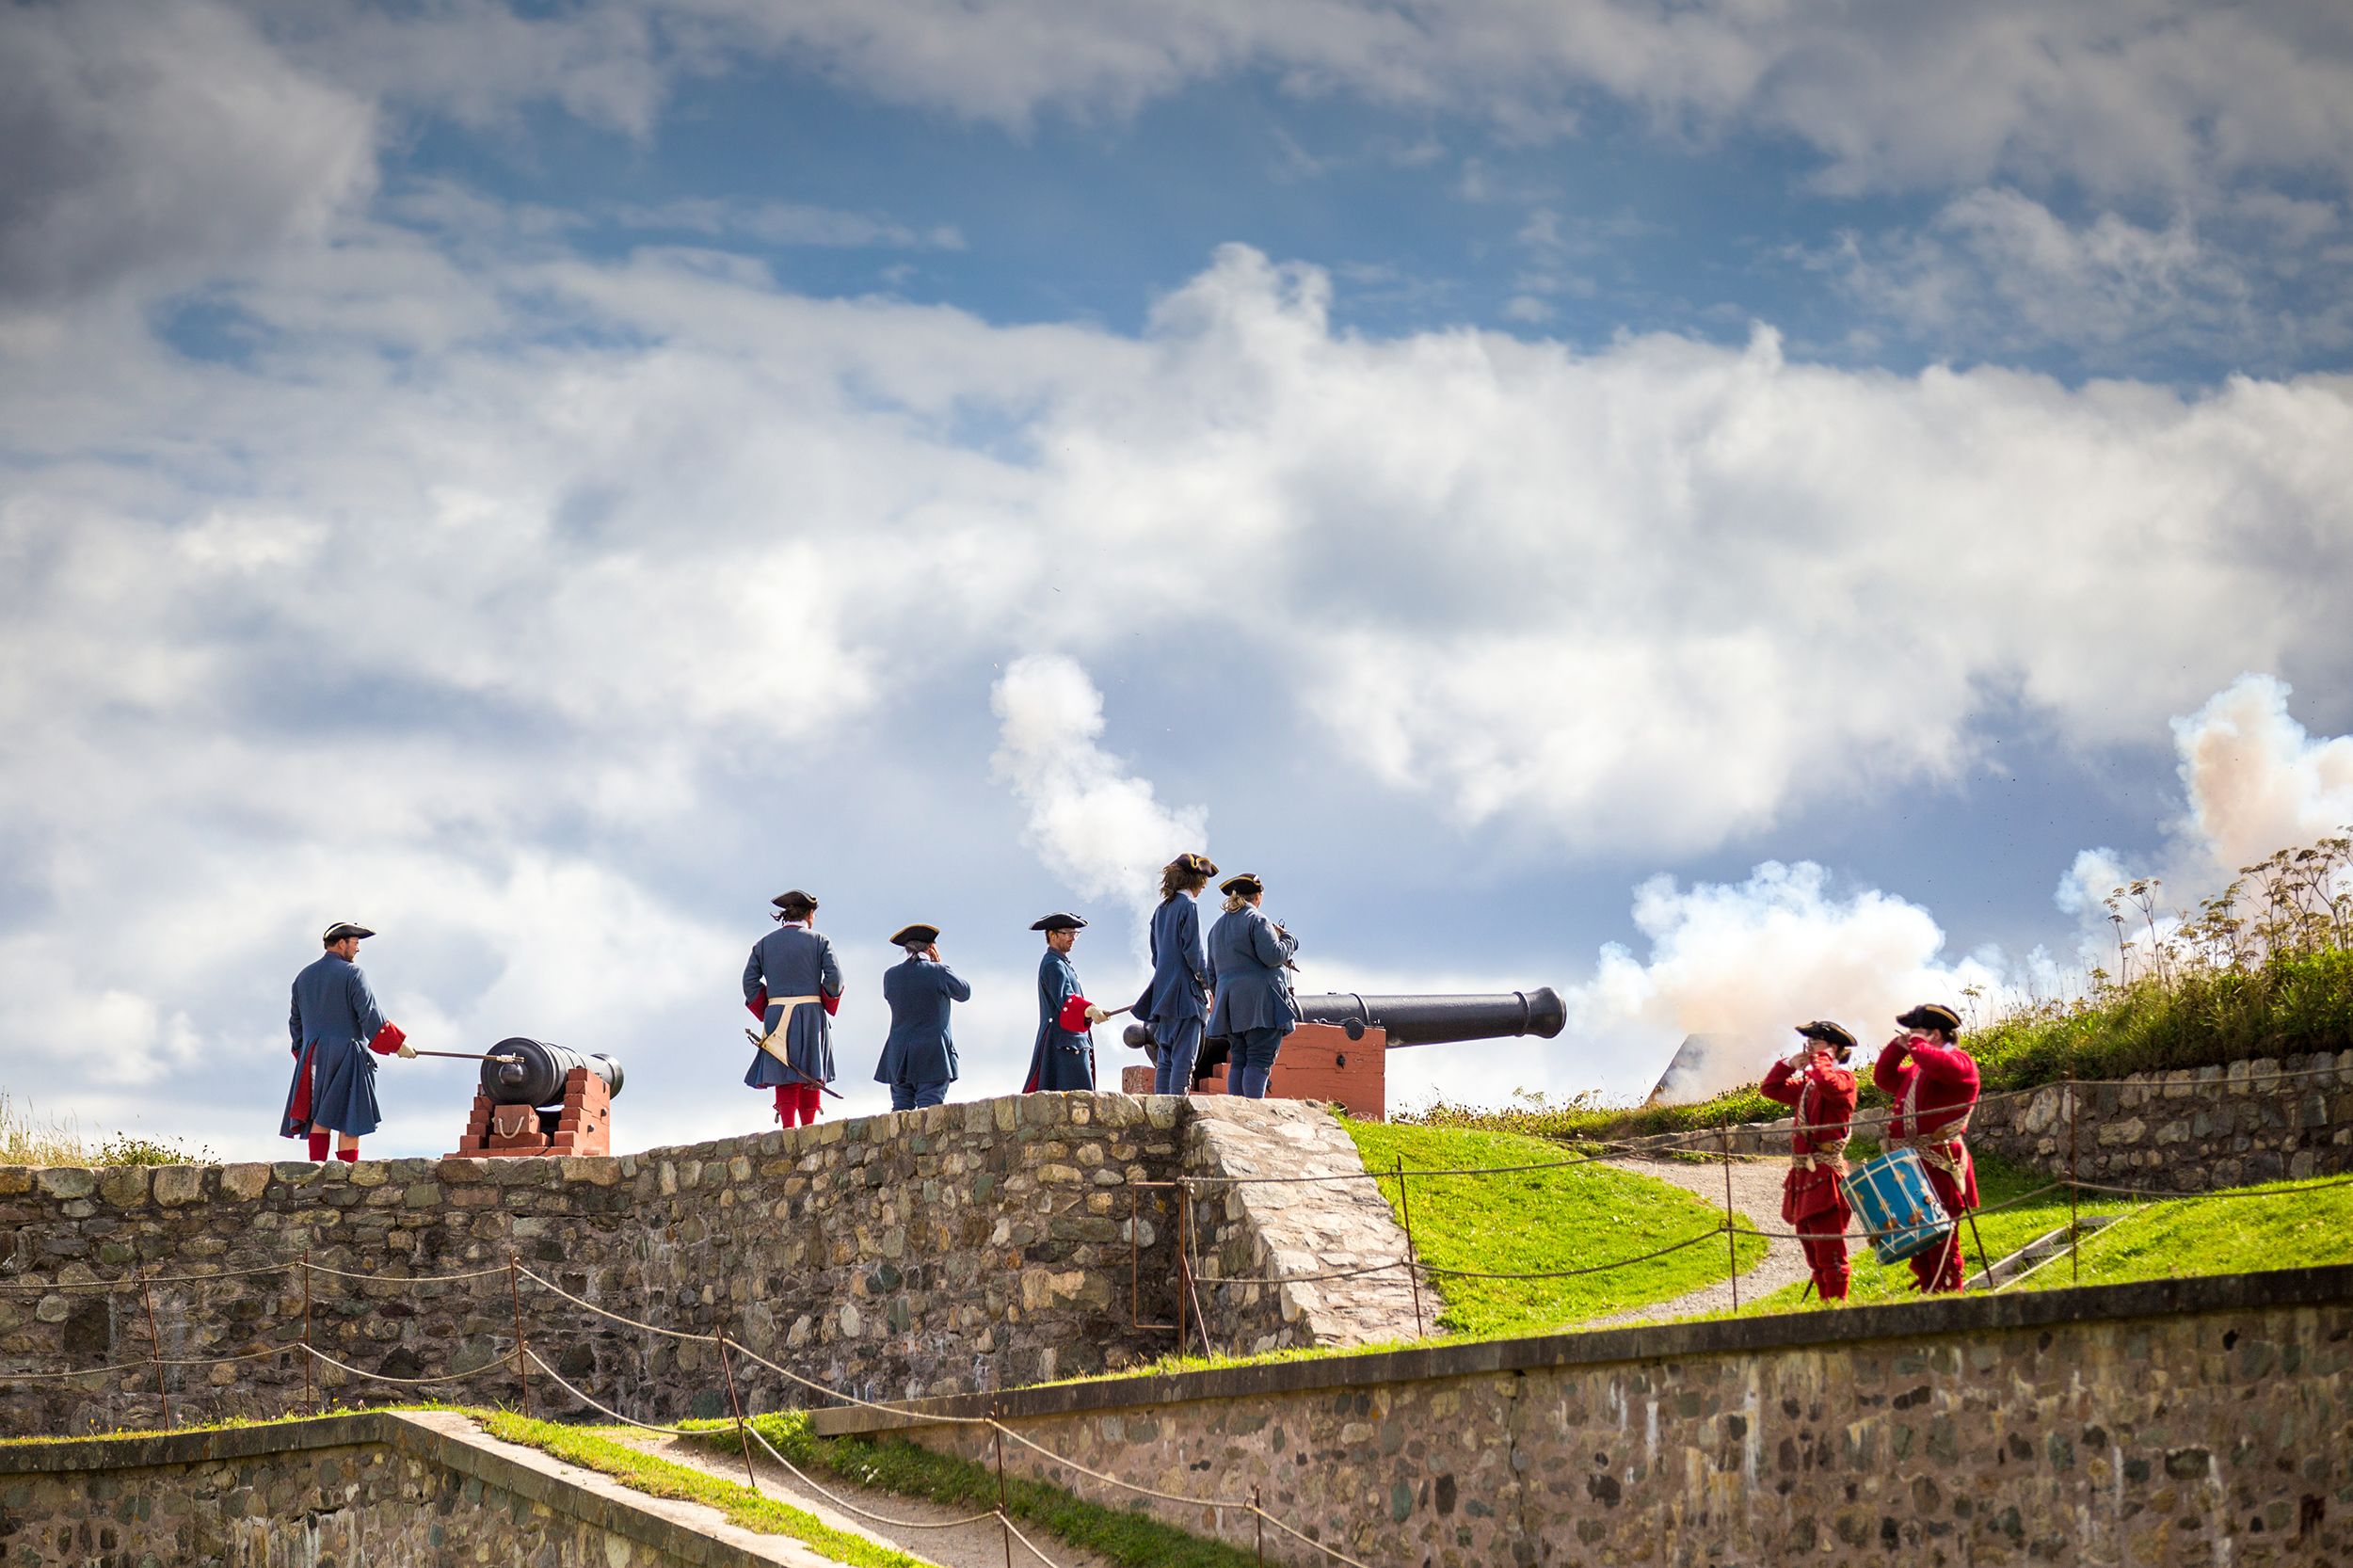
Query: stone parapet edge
{"type": "Point", "coordinates": [620, 1514]}
{"type": "Point", "coordinates": [2324, 1286]}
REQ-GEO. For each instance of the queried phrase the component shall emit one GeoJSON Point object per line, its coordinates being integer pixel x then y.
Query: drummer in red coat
{"type": "Point", "coordinates": [1815, 1081]}
{"type": "Point", "coordinates": [1935, 1086]}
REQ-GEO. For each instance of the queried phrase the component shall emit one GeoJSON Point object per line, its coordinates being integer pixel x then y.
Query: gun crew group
{"type": "Point", "coordinates": [1232, 993]}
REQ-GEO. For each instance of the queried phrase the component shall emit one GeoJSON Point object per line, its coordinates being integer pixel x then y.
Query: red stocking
{"type": "Point", "coordinates": [318, 1145]}
{"type": "Point", "coordinates": [349, 1156]}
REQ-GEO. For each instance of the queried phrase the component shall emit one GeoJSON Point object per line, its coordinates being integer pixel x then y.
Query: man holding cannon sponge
{"type": "Point", "coordinates": [1813, 1081]}
{"type": "Point", "coordinates": [1933, 1084]}
{"type": "Point", "coordinates": [333, 1015]}
{"type": "Point", "coordinates": [1064, 1056]}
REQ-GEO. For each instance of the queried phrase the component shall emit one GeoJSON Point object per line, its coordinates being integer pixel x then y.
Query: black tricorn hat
{"type": "Point", "coordinates": [920, 934]}
{"type": "Point", "coordinates": [1829, 1033]}
{"type": "Point", "coordinates": [1931, 1015]}
{"type": "Point", "coordinates": [795, 903]}
{"type": "Point", "coordinates": [342, 929]}
{"type": "Point", "coordinates": [1060, 922]}
{"type": "Point", "coordinates": [1245, 882]}
{"type": "Point", "coordinates": [1195, 865]}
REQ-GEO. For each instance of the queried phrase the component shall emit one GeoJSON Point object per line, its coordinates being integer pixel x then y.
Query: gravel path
{"type": "Point", "coordinates": [1757, 1196]}
{"type": "Point", "coordinates": [977, 1546]}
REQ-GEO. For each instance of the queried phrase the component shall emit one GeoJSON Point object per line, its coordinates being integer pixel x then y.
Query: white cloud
{"type": "Point", "coordinates": [1098, 826]}
{"type": "Point", "coordinates": [788, 223]}
{"type": "Point", "coordinates": [161, 143]}
{"type": "Point", "coordinates": [1995, 269]}
{"type": "Point", "coordinates": [2255, 779]}
{"type": "Point", "coordinates": [578, 606]}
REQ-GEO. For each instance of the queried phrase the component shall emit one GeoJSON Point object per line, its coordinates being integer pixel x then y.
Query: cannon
{"type": "Point", "coordinates": [1318, 1063]}
{"type": "Point", "coordinates": [538, 1098]}
{"type": "Point", "coordinates": [536, 1074]}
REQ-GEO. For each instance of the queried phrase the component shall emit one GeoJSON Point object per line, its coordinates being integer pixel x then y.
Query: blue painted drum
{"type": "Point", "coordinates": [1898, 1208]}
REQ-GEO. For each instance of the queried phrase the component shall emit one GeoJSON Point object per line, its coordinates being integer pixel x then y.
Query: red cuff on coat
{"type": "Point", "coordinates": [833, 1004]}
{"type": "Point", "coordinates": [758, 1004]}
{"type": "Point", "coordinates": [387, 1040]}
{"type": "Point", "coordinates": [1073, 1015]}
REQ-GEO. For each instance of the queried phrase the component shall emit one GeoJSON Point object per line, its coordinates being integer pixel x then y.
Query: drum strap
{"type": "Point", "coordinates": [1940, 1144]}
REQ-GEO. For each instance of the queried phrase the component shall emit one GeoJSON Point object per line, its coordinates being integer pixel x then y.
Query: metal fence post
{"type": "Point", "coordinates": [522, 1365]}
{"type": "Point", "coordinates": [155, 1346]}
{"type": "Point", "coordinates": [1731, 1246]}
{"type": "Point", "coordinates": [737, 1406]}
{"type": "Point", "coordinates": [1413, 1262]}
{"type": "Point", "coordinates": [307, 1357]}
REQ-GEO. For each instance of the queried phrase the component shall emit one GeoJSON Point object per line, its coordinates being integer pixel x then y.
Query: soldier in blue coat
{"type": "Point", "coordinates": [1250, 967]}
{"type": "Point", "coordinates": [335, 1023]}
{"type": "Point", "coordinates": [794, 985]}
{"type": "Point", "coordinates": [1176, 1003]}
{"type": "Point", "coordinates": [919, 1059]}
{"type": "Point", "coordinates": [1063, 1057]}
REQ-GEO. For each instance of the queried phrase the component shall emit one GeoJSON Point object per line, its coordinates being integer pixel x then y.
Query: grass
{"type": "Point", "coordinates": [27, 1138]}
{"type": "Point", "coordinates": [593, 1450]}
{"type": "Point", "coordinates": [1131, 1539]}
{"type": "Point", "coordinates": [1532, 1222]}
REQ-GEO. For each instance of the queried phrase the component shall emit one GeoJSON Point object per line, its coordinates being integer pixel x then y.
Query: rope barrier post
{"type": "Point", "coordinates": [1258, 1513]}
{"type": "Point", "coordinates": [1731, 1242]}
{"type": "Point", "coordinates": [2075, 1231]}
{"type": "Point", "coordinates": [1184, 1263]}
{"type": "Point", "coordinates": [1413, 1263]}
{"type": "Point", "coordinates": [154, 1348]}
{"type": "Point", "coordinates": [307, 1357]}
{"type": "Point", "coordinates": [523, 1367]}
{"type": "Point", "coordinates": [737, 1406]}
{"type": "Point", "coordinates": [1004, 1517]}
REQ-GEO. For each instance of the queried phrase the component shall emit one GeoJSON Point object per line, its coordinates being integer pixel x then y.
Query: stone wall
{"type": "Point", "coordinates": [1300, 1234]}
{"type": "Point", "coordinates": [2267, 1120]}
{"type": "Point", "coordinates": [352, 1490]}
{"type": "Point", "coordinates": [2204, 1421]}
{"type": "Point", "coordinates": [958, 1247]}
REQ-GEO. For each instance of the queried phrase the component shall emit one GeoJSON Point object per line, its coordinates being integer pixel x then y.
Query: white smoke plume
{"type": "Point", "coordinates": [1096, 826]}
{"type": "Point", "coordinates": [1740, 966]}
{"type": "Point", "coordinates": [2253, 780]}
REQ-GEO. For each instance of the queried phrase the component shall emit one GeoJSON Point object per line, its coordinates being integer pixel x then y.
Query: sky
{"type": "Point", "coordinates": [1737, 512]}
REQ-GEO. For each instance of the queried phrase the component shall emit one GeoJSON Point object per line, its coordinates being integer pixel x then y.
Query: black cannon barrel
{"type": "Point", "coordinates": [1437, 1020]}
{"type": "Point", "coordinates": [537, 1077]}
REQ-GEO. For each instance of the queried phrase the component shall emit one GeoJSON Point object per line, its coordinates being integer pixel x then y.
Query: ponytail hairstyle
{"type": "Point", "coordinates": [1187, 873]}
{"type": "Point", "coordinates": [1237, 903]}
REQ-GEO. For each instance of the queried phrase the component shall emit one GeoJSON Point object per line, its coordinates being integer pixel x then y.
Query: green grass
{"type": "Point", "coordinates": [661, 1477]}
{"type": "Point", "coordinates": [1533, 1221]}
{"type": "Point", "coordinates": [2288, 1230]}
{"type": "Point", "coordinates": [1131, 1539]}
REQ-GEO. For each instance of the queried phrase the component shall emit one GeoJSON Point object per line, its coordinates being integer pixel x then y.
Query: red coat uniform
{"type": "Point", "coordinates": [1812, 1200]}
{"type": "Point", "coordinates": [1824, 1099]}
{"type": "Point", "coordinates": [1934, 1088]}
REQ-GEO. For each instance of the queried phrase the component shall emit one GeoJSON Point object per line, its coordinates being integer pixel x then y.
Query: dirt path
{"type": "Point", "coordinates": [973, 1545]}
{"type": "Point", "coordinates": [1756, 1195]}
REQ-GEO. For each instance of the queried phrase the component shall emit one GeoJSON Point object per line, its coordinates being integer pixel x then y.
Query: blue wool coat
{"type": "Point", "coordinates": [793, 961]}
{"type": "Point", "coordinates": [1178, 990]}
{"type": "Point", "coordinates": [1247, 957]}
{"type": "Point", "coordinates": [919, 1048]}
{"type": "Point", "coordinates": [332, 1019]}
{"type": "Point", "coordinates": [1061, 1058]}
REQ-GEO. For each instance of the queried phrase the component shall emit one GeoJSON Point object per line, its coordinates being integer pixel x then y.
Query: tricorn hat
{"type": "Point", "coordinates": [795, 903]}
{"type": "Point", "coordinates": [1195, 865]}
{"type": "Point", "coordinates": [1829, 1033]}
{"type": "Point", "coordinates": [342, 929]}
{"type": "Point", "coordinates": [918, 935]}
{"type": "Point", "coordinates": [1245, 882]}
{"type": "Point", "coordinates": [1931, 1015]}
{"type": "Point", "coordinates": [1060, 922]}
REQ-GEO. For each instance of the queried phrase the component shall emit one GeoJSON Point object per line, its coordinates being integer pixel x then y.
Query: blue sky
{"type": "Point", "coordinates": [1736, 515]}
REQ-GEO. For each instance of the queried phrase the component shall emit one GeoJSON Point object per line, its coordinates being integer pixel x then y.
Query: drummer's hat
{"type": "Point", "coordinates": [1830, 1034]}
{"type": "Point", "coordinates": [1931, 1015]}
{"type": "Point", "coordinates": [918, 935]}
{"type": "Point", "coordinates": [342, 929]}
{"type": "Point", "coordinates": [1242, 884]}
{"type": "Point", "coordinates": [1058, 922]}
{"type": "Point", "coordinates": [797, 904]}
